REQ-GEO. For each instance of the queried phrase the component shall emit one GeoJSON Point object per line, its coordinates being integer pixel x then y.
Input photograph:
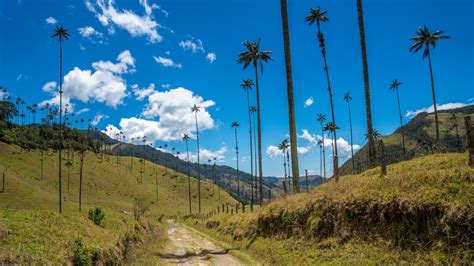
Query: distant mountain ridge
{"type": "Point", "coordinates": [419, 139]}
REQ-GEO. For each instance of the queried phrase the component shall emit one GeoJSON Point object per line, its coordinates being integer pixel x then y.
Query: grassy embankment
{"type": "Point", "coordinates": [421, 212]}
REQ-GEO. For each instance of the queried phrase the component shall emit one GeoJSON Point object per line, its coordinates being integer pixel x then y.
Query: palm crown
{"type": "Point", "coordinates": [235, 124]}
{"type": "Point", "coordinates": [316, 15]}
{"type": "Point", "coordinates": [253, 109]}
{"type": "Point", "coordinates": [61, 33]}
{"type": "Point", "coordinates": [330, 126]}
{"type": "Point", "coordinates": [253, 55]}
{"type": "Point", "coordinates": [347, 96]}
{"type": "Point", "coordinates": [185, 137]}
{"type": "Point", "coordinates": [195, 109]}
{"type": "Point", "coordinates": [321, 117]}
{"type": "Point", "coordinates": [395, 84]}
{"type": "Point", "coordinates": [425, 38]}
{"type": "Point", "coordinates": [246, 84]}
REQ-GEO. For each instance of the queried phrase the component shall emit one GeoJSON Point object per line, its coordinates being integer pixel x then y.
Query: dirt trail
{"type": "Point", "coordinates": [189, 248]}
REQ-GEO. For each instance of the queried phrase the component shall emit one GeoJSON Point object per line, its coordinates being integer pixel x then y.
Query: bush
{"type": "Point", "coordinates": [81, 254]}
{"type": "Point", "coordinates": [139, 208]}
{"type": "Point", "coordinates": [97, 216]}
{"type": "Point", "coordinates": [96, 255]}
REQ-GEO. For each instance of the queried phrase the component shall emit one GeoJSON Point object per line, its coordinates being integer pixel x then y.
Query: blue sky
{"type": "Point", "coordinates": [118, 87]}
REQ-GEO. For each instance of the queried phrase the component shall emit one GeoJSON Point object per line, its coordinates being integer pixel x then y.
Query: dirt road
{"type": "Point", "coordinates": [190, 248]}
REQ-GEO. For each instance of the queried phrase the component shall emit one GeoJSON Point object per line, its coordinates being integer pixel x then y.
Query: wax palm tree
{"type": "Point", "coordinates": [321, 118]}
{"type": "Point", "coordinates": [317, 15]}
{"type": "Point", "coordinates": [394, 87]}
{"type": "Point", "coordinates": [253, 56]}
{"type": "Point", "coordinates": [291, 103]}
{"type": "Point", "coordinates": [247, 86]}
{"type": "Point", "coordinates": [235, 125]}
{"type": "Point", "coordinates": [365, 66]}
{"type": "Point", "coordinates": [195, 110]}
{"type": "Point", "coordinates": [332, 128]}
{"type": "Point", "coordinates": [321, 145]}
{"type": "Point", "coordinates": [424, 39]}
{"type": "Point", "coordinates": [283, 146]}
{"type": "Point", "coordinates": [347, 99]}
{"type": "Point", "coordinates": [62, 34]}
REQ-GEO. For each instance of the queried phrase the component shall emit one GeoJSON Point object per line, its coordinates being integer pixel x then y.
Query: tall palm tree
{"type": "Point", "coordinates": [283, 146]}
{"type": "Point", "coordinates": [317, 15]}
{"type": "Point", "coordinates": [321, 118]}
{"type": "Point", "coordinates": [424, 39]}
{"type": "Point", "coordinates": [365, 66]}
{"type": "Point", "coordinates": [195, 110]}
{"type": "Point", "coordinates": [186, 139]}
{"type": "Point", "coordinates": [394, 87]}
{"type": "Point", "coordinates": [247, 86]}
{"type": "Point", "coordinates": [235, 125]}
{"type": "Point", "coordinates": [347, 99]}
{"type": "Point", "coordinates": [254, 56]}
{"type": "Point", "coordinates": [320, 144]}
{"type": "Point", "coordinates": [332, 128]}
{"type": "Point", "coordinates": [291, 103]}
{"type": "Point", "coordinates": [62, 34]}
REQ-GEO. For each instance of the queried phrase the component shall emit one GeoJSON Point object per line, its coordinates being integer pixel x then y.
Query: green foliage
{"type": "Point", "coordinates": [97, 216]}
{"type": "Point", "coordinates": [80, 253]}
{"type": "Point", "coordinates": [140, 207]}
{"type": "Point", "coordinates": [96, 255]}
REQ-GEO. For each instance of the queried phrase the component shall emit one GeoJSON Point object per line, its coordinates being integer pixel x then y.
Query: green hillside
{"type": "Point", "coordinates": [421, 212]}
{"type": "Point", "coordinates": [419, 138]}
{"type": "Point", "coordinates": [31, 230]}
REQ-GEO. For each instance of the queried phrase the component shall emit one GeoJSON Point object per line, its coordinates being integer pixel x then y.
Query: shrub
{"type": "Point", "coordinates": [139, 208]}
{"type": "Point", "coordinates": [97, 216]}
{"type": "Point", "coordinates": [96, 255]}
{"type": "Point", "coordinates": [81, 254]}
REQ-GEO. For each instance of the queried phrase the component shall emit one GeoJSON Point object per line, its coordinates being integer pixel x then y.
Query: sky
{"type": "Point", "coordinates": [139, 65]}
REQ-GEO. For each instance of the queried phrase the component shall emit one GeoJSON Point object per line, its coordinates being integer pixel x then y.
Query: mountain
{"type": "Point", "coordinates": [224, 176]}
{"type": "Point", "coordinates": [419, 138]}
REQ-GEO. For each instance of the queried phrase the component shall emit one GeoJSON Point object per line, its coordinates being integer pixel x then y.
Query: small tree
{"type": "Point", "coordinates": [140, 207]}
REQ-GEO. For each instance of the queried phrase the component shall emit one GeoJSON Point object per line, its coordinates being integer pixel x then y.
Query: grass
{"type": "Point", "coordinates": [32, 230]}
{"type": "Point", "coordinates": [420, 212]}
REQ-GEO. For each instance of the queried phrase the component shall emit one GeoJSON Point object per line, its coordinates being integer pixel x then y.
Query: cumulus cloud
{"type": "Point", "coordinates": [273, 151]}
{"type": "Point", "coordinates": [308, 102]}
{"type": "Point", "coordinates": [136, 25]}
{"type": "Point", "coordinates": [51, 20]}
{"type": "Point", "coordinates": [104, 85]}
{"type": "Point", "coordinates": [91, 34]}
{"type": "Point", "coordinates": [97, 118]}
{"type": "Point", "coordinates": [205, 155]}
{"type": "Point", "coordinates": [430, 109]}
{"type": "Point", "coordinates": [166, 62]}
{"type": "Point", "coordinates": [211, 57]}
{"type": "Point", "coordinates": [195, 45]}
{"type": "Point", "coordinates": [173, 110]}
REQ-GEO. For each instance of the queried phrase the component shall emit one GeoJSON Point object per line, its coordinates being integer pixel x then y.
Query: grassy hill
{"type": "Point", "coordinates": [419, 138]}
{"type": "Point", "coordinates": [32, 230]}
{"type": "Point", "coordinates": [421, 212]}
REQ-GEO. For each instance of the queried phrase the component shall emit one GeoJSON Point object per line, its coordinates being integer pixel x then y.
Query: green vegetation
{"type": "Point", "coordinates": [420, 212]}
{"type": "Point", "coordinates": [31, 229]}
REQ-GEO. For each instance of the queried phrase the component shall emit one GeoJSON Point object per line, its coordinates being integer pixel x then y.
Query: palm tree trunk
{"type": "Point", "coordinates": [326, 70]}
{"type": "Point", "coordinates": [434, 96]}
{"type": "Point", "coordinates": [289, 171]}
{"type": "Point", "coordinates": [365, 66]}
{"type": "Point", "coordinates": [321, 162]}
{"type": "Point", "coordinates": [284, 166]}
{"type": "Point", "coordinates": [324, 150]}
{"type": "Point", "coordinates": [251, 149]}
{"type": "Point", "coordinates": [80, 179]}
{"type": "Point", "coordinates": [237, 160]}
{"type": "Point", "coordinates": [60, 122]}
{"type": "Point", "coordinates": [352, 143]}
{"type": "Point", "coordinates": [291, 103]}
{"type": "Point", "coordinates": [255, 157]}
{"type": "Point", "coordinates": [189, 178]}
{"type": "Point", "coordinates": [401, 123]}
{"type": "Point", "coordinates": [198, 165]}
{"type": "Point", "coordinates": [259, 143]}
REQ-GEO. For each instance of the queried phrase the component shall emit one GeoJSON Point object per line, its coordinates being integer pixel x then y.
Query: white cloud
{"type": "Point", "coordinates": [173, 108]}
{"type": "Point", "coordinates": [82, 47]}
{"type": "Point", "coordinates": [3, 94]}
{"type": "Point", "coordinates": [308, 102]}
{"type": "Point", "coordinates": [83, 110]}
{"type": "Point", "coordinates": [195, 45]}
{"type": "Point", "coordinates": [51, 20]}
{"type": "Point", "coordinates": [308, 136]}
{"type": "Point", "coordinates": [142, 93]}
{"type": "Point", "coordinates": [97, 118]}
{"type": "Point", "coordinates": [166, 86]}
{"type": "Point", "coordinates": [136, 25]}
{"type": "Point", "coordinates": [89, 31]}
{"type": "Point", "coordinates": [205, 155]}
{"type": "Point", "coordinates": [211, 57]}
{"type": "Point", "coordinates": [55, 102]}
{"type": "Point", "coordinates": [50, 86]}
{"type": "Point", "coordinates": [273, 151]}
{"type": "Point", "coordinates": [430, 109]}
{"type": "Point", "coordinates": [105, 85]}
{"type": "Point", "coordinates": [166, 62]}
